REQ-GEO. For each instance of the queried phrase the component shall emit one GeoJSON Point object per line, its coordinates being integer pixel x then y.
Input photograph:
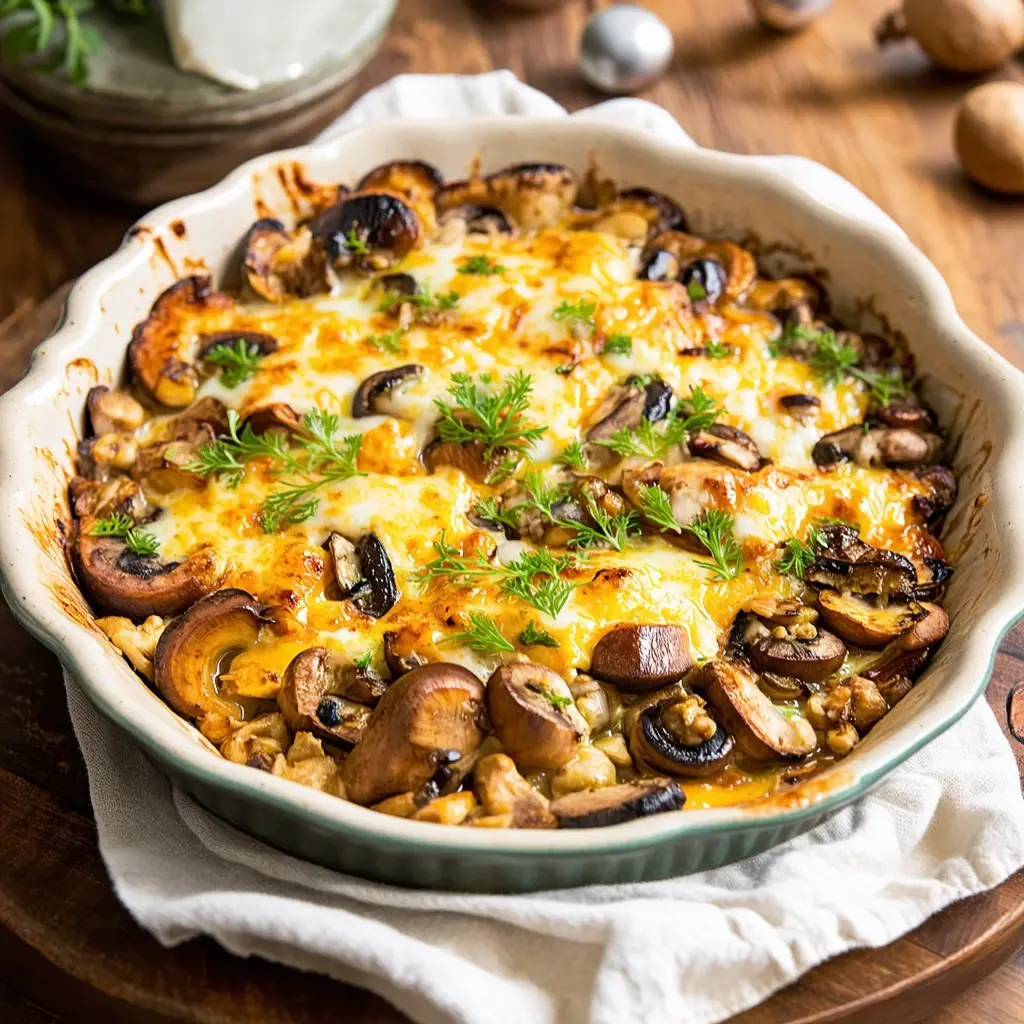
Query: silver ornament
{"type": "Point", "coordinates": [623, 48]}
{"type": "Point", "coordinates": [788, 15]}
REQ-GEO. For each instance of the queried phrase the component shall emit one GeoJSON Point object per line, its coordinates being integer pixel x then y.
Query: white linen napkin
{"type": "Point", "coordinates": [947, 824]}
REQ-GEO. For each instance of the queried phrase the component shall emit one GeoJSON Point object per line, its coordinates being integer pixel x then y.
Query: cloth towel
{"type": "Point", "coordinates": [699, 949]}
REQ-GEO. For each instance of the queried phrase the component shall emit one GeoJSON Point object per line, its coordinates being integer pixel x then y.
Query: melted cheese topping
{"type": "Point", "coordinates": [502, 323]}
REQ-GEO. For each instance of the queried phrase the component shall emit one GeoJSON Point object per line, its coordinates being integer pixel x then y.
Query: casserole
{"type": "Point", "coordinates": [972, 390]}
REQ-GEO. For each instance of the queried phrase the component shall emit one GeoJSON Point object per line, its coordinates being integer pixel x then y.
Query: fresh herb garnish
{"type": "Point", "coordinates": [535, 636]}
{"type": "Point", "coordinates": [714, 529]}
{"type": "Point", "coordinates": [797, 557]}
{"type": "Point", "coordinates": [696, 291]}
{"type": "Point", "coordinates": [691, 415]}
{"type": "Point", "coordinates": [834, 360]}
{"type": "Point", "coordinates": [581, 312]}
{"type": "Point", "coordinates": [492, 512]}
{"type": "Point", "coordinates": [320, 460]}
{"type": "Point", "coordinates": [481, 265]}
{"type": "Point", "coordinates": [611, 530]}
{"type": "Point", "coordinates": [138, 542]}
{"type": "Point", "coordinates": [557, 700]}
{"type": "Point", "coordinates": [565, 369]}
{"type": "Point", "coordinates": [496, 420]}
{"type": "Point", "coordinates": [239, 361]}
{"type": "Point", "coordinates": [617, 345]}
{"type": "Point", "coordinates": [423, 301]}
{"type": "Point", "coordinates": [390, 342]}
{"type": "Point", "coordinates": [482, 635]}
{"type": "Point", "coordinates": [354, 244]}
{"type": "Point", "coordinates": [714, 349]}
{"type": "Point", "coordinates": [574, 456]}
{"type": "Point", "coordinates": [657, 507]}
{"type": "Point", "coordinates": [363, 661]}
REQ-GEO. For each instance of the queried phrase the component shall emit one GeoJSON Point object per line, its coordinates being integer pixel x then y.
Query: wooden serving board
{"type": "Point", "coordinates": [70, 952]}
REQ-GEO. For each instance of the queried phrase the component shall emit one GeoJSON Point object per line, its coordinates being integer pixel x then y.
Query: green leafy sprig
{"type": "Point", "coordinates": [535, 636]}
{"type": "Point", "coordinates": [652, 440]}
{"type": "Point", "coordinates": [714, 529]}
{"type": "Point", "coordinates": [482, 635]}
{"type": "Point", "coordinates": [238, 361]}
{"type": "Point", "coordinates": [581, 312]}
{"type": "Point", "coordinates": [138, 542]}
{"type": "Point", "coordinates": [482, 265]}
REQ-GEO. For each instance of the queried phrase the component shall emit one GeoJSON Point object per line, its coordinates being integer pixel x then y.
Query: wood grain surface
{"type": "Point", "coordinates": [68, 951]}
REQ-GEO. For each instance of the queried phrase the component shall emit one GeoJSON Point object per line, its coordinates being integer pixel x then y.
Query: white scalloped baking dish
{"type": "Point", "coordinates": [874, 272]}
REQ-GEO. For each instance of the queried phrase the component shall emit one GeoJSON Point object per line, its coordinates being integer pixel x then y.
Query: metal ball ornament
{"type": "Point", "coordinates": [623, 48]}
{"type": "Point", "coordinates": [788, 15]}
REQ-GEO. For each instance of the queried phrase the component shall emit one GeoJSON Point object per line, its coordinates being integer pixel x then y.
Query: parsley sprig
{"type": "Point", "coordinates": [617, 345]}
{"type": "Point", "coordinates": [657, 507]}
{"type": "Point", "coordinates": [691, 415]}
{"type": "Point", "coordinates": [304, 462]}
{"type": "Point", "coordinates": [535, 636]}
{"type": "Point", "coordinates": [390, 342]}
{"type": "Point", "coordinates": [482, 265]}
{"type": "Point", "coordinates": [238, 362]}
{"type": "Point", "coordinates": [138, 542]}
{"type": "Point", "coordinates": [835, 360]}
{"type": "Point", "coordinates": [482, 635]}
{"type": "Point", "coordinates": [581, 312]}
{"type": "Point", "coordinates": [714, 349]}
{"type": "Point", "coordinates": [714, 529]}
{"type": "Point", "coordinates": [574, 456]}
{"type": "Point", "coordinates": [495, 419]}
{"type": "Point", "coordinates": [354, 243]}
{"type": "Point", "coordinates": [797, 558]}
{"type": "Point", "coordinates": [423, 301]}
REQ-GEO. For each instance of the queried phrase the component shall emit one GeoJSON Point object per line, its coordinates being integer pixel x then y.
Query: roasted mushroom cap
{"type": "Point", "coordinates": [275, 416]}
{"type": "Point", "coordinates": [416, 180]}
{"type": "Point", "coordinates": [760, 729]}
{"type": "Point", "coordinates": [656, 741]}
{"type": "Point", "coordinates": [860, 621]}
{"type": "Point", "coordinates": [384, 224]}
{"type": "Point", "coordinates": [800, 406]}
{"type": "Point", "coordinates": [192, 649]}
{"type": "Point", "coordinates": [612, 805]}
{"type": "Point", "coordinates": [265, 343]}
{"type": "Point", "coordinates": [432, 715]}
{"type": "Point", "coordinates": [642, 658]}
{"type": "Point", "coordinates": [479, 219]}
{"type": "Point", "coordinates": [658, 265]}
{"type": "Point", "coordinates": [158, 352]}
{"type": "Point", "coordinates": [809, 660]}
{"type": "Point", "coordinates": [846, 563]}
{"type": "Point", "coordinates": [378, 593]}
{"type": "Point", "coordinates": [728, 445]}
{"type": "Point", "coordinates": [113, 411]}
{"type": "Point", "coordinates": [399, 655]}
{"type": "Point", "coordinates": [373, 396]}
{"type": "Point", "coordinates": [532, 712]}
{"type": "Point", "coordinates": [321, 694]}
{"type": "Point", "coordinates": [468, 457]}
{"type": "Point", "coordinates": [280, 264]}
{"type": "Point", "coordinates": [878, 446]}
{"type": "Point", "coordinates": [119, 581]}
{"type": "Point", "coordinates": [534, 195]}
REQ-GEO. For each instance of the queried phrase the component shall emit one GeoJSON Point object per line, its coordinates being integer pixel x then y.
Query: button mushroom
{"type": "Point", "coordinates": [860, 621]}
{"type": "Point", "coordinates": [375, 396]}
{"type": "Point", "coordinates": [378, 593]}
{"type": "Point", "coordinates": [384, 226]}
{"type": "Point", "coordinates": [137, 586]}
{"type": "Point", "coordinates": [800, 406]}
{"type": "Point", "coordinates": [280, 264]}
{"type": "Point", "coordinates": [192, 650]}
{"type": "Point", "coordinates": [810, 660]}
{"type": "Point", "coordinates": [478, 219]}
{"type": "Point", "coordinates": [761, 730]}
{"type": "Point", "coordinates": [636, 213]}
{"type": "Point", "coordinates": [877, 446]}
{"type": "Point", "coordinates": [739, 265]}
{"type": "Point", "coordinates": [433, 712]}
{"type": "Point", "coordinates": [677, 736]}
{"type": "Point", "coordinates": [532, 713]}
{"type": "Point", "coordinates": [158, 353]}
{"type": "Point", "coordinates": [727, 445]}
{"type": "Point", "coordinates": [614, 805]}
{"type": "Point", "coordinates": [323, 694]}
{"type": "Point", "coordinates": [642, 658]}
{"type": "Point", "coordinates": [415, 180]}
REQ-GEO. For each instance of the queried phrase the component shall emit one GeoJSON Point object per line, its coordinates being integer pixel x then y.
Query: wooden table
{"type": "Point", "coordinates": [883, 121]}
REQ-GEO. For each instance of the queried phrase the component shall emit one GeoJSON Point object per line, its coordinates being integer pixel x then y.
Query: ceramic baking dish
{"type": "Point", "coordinates": [875, 277]}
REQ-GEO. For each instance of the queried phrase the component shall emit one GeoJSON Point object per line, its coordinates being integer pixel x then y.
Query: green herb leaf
{"type": "Point", "coordinates": [558, 700]}
{"type": "Point", "coordinates": [139, 542]}
{"type": "Point", "coordinates": [423, 301]}
{"type": "Point", "coordinates": [239, 361]}
{"type": "Point", "coordinates": [797, 557]}
{"type": "Point", "coordinates": [482, 635]}
{"type": "Point", "coordinates": [581, 312]}
{"type": "Point", "coordinates": [657, 507]}
{"type": "Point", "coordinates": [617, 345]}
{"type": "Point", "coordinates": [696, 291]}
{"type": "Point", "coordinates": [714, 529]}
{"type": "Point", "coordinates": [534, 636]}
{"type": "Point", "coordinates": [716, 350]}
{"type": "Point", "coordinates": [574, 457]}
{"type": "Point", "coordinates": [363, 661]}
{"type": "Point", "coordinates": [390, 342]}
{"type": "Point", "coordinates": [496, 420]}
{"type": "Point", "coordinates": [608, 530]}
{"type": "Point", "coordinates": [354, 244]}
{"type": "Point", "coordinates": [482, 265]}
{"type": "Point", "coordinates": [691, 415]}
{"type": "Point", "coordinates": [489, 509]}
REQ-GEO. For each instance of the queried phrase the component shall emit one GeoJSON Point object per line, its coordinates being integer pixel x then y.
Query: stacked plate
{"type": "Point", "coordinates": [143, 131]}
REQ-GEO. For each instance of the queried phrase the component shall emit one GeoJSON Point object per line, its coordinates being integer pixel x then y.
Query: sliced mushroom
{"type": "Point", "coordinates": [886, 574]}
{"type": "Point", "coordinates": [925, 632]}
{"type": "Point", "coordinates": [728, 445]}
{"type": "Point", "coordinates": [760, 729]}
{"type": "Point", "coordinates": [385, 226]}
{"type": "Point", "coordinates": [896, 664]}
{"type": "Point", "coordinates": [345, 566]}
{"type": "Point", "coordinates": [532, 712]}
{"type": "Point", "coordinates": [613, 805]}
{"type": "Point", "coordinates": [280, 264]}
{"type": "Point", "coordinates": [800, 406]}
{"type": "Point", "coordinates": [678, 737]}
{"type": "Point", "coordinates": [660, 212]}
{"type": "Point", "coordinates": [906, 411]}
{"type": "Point", "coordinates": [469, 457]}
{"type": "Point", "coordinates": [398, 657]}
{"type": "Point", "coordinates": [158, 353]}
{"type": "Point", "coordinates": [375, 396]}
{"type": "Point", "coordinates": [932, 578]}
{"type": "Point", "coordinates": [479, 219]}
{"type": "Point", "coordinates": [432, 714]}
{"type": "Point", "coordinates": [208, 343]}
{"type": "Point", "coordinates": [658, 265]}
{"type": "Point", "coordinates": [98, 499]}
{"type": "Point", "coordinates": [113, 411]}
{"type": "Point", "coordinates": [859, 621]}
{"type": "Point", "coordinates": [622, 408]}
{"type": "Point", "coordinates": [192, 651]}
{"type": "Point", "coordinates": [319, 694]}
{"type": "Point", "coordinates": [642, 658]}
{"type": "Point", "coordinates": [942, 493]}
{"type": "Point", "coordinates": [810, 660]}
{"type": "Point", "coordinates": [137, 586]}
{"type": "Point", "coordinates": [658, 398]}
{"type": "Point", "coordinates": [275, 416]}
{"type": "Point", "coordinates": [378, 593]}
{"type": "Point", "coordinates": [876, 446]}
{"type": "Point", "coordinates": [739, 264]}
